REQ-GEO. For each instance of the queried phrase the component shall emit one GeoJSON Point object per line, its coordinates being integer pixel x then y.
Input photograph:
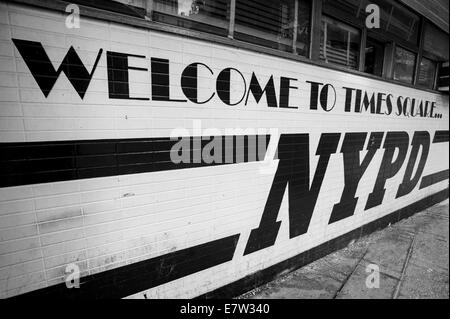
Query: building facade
{"type": "Point", "coordinates": [177, 149]}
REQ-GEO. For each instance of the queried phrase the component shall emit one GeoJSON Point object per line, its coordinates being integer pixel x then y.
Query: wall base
{"type": "Point", "coordinates": [266, 275]}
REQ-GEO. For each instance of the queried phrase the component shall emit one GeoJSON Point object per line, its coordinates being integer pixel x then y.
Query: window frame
{"type": "Point", "coordinates": [390, 41]}
{"type": "Point", "coordinates": [415, 67]}
{"type": "Point", "coordinates": [435, 73]}
{"type": "Point", "coordinates": [293, 40]}
{"type": "Point", "coordinates": [426, 53]}
{"type": "Point", "coordinates": [369, 38]}
{"type": "Point", "coordinates": [329, 20]}
{"type": "Point", "coordinates": [152, 12]}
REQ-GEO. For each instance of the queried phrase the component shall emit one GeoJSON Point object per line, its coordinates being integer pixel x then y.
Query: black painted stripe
{"type": "Point", "coordinates": [45, 162]}
{"type": "Point", "coordinates": [434, 178]}
{"type": "Point", "coordinates": [127, 280]}
{"type": "Point", "coordinates": [428, 180]}
{"type": "Point", "coordinates": [440, 137]}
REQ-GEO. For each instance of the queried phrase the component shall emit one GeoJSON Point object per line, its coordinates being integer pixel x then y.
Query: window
{"type": "Point", "coordinates": [303, 27]}
{"type": "Point", "coordinates": [442, 84]}
{"type": "Point", "coordinates": [402, 23]}
{"type": "Point", "coordinates": [404, 62]}
{"type": "Point", "coordinates": [395, 19]}
{"type": "Point", "coordinates": [204, 15]}
{"type": "Point", "coordinates": [339, 43]}
{"type": "Point", "coordinates": [427, 72]}
{"type": "Point", "coordinates": [272, 23]}
{"type": "Point", "coordinates": [117, 6]}
{"type": "Point", "coordinates": [435, 41]}
{"type": "Point", "coordinates": [266, 22]}
{"type": "Point", "coordinates": [398, 21]}
{"type": "Point", "coordinates": [354, 9]}
{"type": "Point", "coordinates": [374, 57]}
{"type": "Point", "coordinates": [392, 51]}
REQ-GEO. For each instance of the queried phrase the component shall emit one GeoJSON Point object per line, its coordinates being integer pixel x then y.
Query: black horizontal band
{"type": "Point", "coordinates": [434, 178]}
{"type": "Point", "coordinates": [45, 162]}
{"type": "Point", "coordinates": [130, 279]}
{"type": "Point", "coordinates": [441, 137]}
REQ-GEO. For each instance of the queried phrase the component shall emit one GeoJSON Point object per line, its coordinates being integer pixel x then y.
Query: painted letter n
{"type": "Point", "coordinates": [293, 170]}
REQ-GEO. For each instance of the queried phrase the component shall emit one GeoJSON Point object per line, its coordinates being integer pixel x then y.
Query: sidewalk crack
{"type": "Point", "coordinates": [349, 275]}
{"type": "Point", "coordinates": [405, 266]}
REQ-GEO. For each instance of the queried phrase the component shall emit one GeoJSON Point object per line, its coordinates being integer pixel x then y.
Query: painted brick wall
{"type": "Point", "coordinates": [109, 222]}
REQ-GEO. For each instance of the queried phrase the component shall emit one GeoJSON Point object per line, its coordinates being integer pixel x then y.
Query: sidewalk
{"type": "Point", "coordinates": [412, 256]}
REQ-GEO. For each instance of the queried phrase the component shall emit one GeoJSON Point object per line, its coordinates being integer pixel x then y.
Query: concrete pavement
{"type": "Point", "coordinates": [412, 257]}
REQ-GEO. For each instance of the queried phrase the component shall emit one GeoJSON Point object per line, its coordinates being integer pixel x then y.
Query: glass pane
{"type": "Point", "coordinates": [404, 24]}
{"type": "Point", "coordinates": [427, 71]}
{"type": "Point", "coordinates": [266, 22]}
{"type": "Point", "coordinates": [374, 57]}
{"type": "Point", "coordinates": [339, 43]}
{"type": "Point", "coordinates": [394, 18]}
{"type": "Point", "coordinates": [352, 8]}
{"type": "Point", "coordinates": [211, 16]}
{"type": "Point", "coordinates": [304, 27]}
{"type": "Point", "coordinates": [435, 41]}
{"type": "Point", "coordinates": [118, 6]}
{"type": "Point", "coordinates": [404, 62]}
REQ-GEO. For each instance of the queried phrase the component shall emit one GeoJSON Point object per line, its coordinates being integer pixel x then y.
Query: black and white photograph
{"type": "Point", "coordinates": [231, 156]}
